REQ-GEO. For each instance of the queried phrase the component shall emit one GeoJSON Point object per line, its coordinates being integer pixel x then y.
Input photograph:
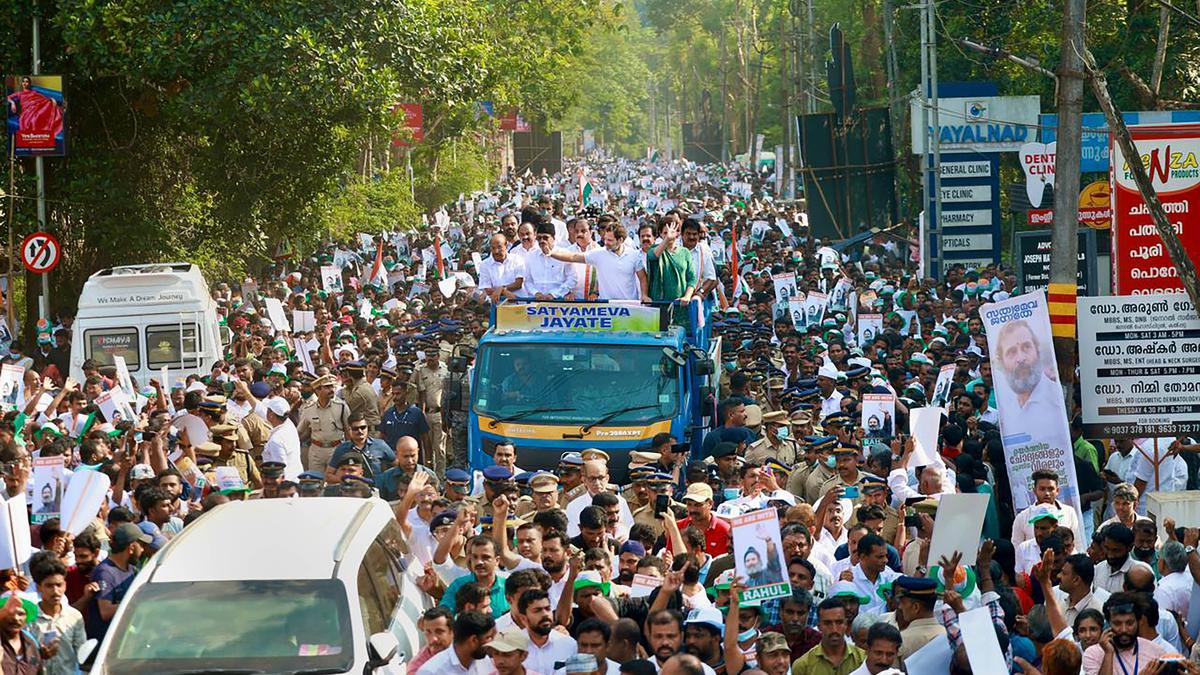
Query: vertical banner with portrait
{"type": "Point", "coordinates": [47, 488]}
{"type": "Point", "coordinates": [115, 406]}
{"type": "Point", "coordinates": [759, 557]}
{"type": "Point", "coordinates": [799, 316]}
{"type": "Point", "coordinates": [1029, 397]}
{"type": "Point", "coordinates": [869, 327]}
{"type": "Point", "coordinates": [941, 388]}
{"type": "Point", "coordinates": [36, 119]}
{"type": "Point", "coordinates": [816, 303]}
{"type": "Point", "coordinates": [879, 416]}
{"type": "Point", "coordinates": [12, 386]}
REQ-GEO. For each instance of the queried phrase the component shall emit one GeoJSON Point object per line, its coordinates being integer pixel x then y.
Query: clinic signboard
{"type": "Point", "coordinates": [975, 125]}
{"type": "Point", "coordinates": [1171, 156]}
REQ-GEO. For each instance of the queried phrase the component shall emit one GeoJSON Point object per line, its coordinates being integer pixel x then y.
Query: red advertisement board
{"type": "Point", "coordinates": [1171, 155]}
{"type": "Point", "coordinates": [414, 123]}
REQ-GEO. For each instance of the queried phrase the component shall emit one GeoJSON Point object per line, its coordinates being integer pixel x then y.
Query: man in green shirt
{"type": "Point", "coordinates": [832, 655]}
{"type": "Point", "coordinates": [670, 266]}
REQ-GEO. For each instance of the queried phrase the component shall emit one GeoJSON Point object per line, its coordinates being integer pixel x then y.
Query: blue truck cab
{"type": "Point", "coordinates": [554, 377]}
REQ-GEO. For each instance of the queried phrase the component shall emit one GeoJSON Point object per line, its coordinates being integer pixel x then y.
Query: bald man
{"type": "Point", "coordinates": [595, 480]}
{"type": "Point", "coordinates": [501, 275]}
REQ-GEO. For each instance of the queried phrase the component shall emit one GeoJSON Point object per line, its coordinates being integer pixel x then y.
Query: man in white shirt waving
{"type": "Point", "coordinates": [545, 277]}
{"type": "Point", "coordinates": [501, 275]}
{"type": "Point", "coordinates": [620, 268]}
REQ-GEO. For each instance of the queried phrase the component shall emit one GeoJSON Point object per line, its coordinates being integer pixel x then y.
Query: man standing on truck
{"type": "Point", "coordinates": [501, 275]}
{"type": "Point", "coordinates": [620, 269]}
{"type": "Point", "coordinates": [671, 271]}
{"type": "Point", "coordinates": [545, 277]}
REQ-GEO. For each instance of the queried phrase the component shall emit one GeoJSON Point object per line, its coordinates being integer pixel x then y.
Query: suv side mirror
{"type": "Point", "coordinates": [87, 654]}
{"type": "Point", "coordinates": [381, 649]}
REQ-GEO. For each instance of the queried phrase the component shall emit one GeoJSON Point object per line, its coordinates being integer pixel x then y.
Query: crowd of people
{"type": "Point", "coordinates": [562, 571]}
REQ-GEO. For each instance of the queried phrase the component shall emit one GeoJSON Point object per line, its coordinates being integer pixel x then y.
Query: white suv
{"type": "Point", "coordinates": [271, 586]}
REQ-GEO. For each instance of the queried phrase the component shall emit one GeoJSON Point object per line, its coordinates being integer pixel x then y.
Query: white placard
{"type": "Point", "coordinates": [331, 279]}
{"type": "Point", "coordinates": [953, 194]}
{"type": "Point", "coordinates": [815, 307]}
{"type": "Point", "coordinates": [276, 315]}
{"type": "Point", "coordinates": [124, 379]}
{"type": "Point", "coordinates": [923, 426]}
{"type": "Point", "coordinates": [967, 242]}
{"type": "Point", "coordinates": [869, 327]}
{"type": "Point", "coordinates": [934, 657]}
{"type": "Point", "coordinates": [303, 321]}
{"type": "Point", "coordinates": [86, 492]}
{"type": "Point", "coordinates": [785, 287]}
{"type": "Point", "coordinates": [957, 527]}
{"type": "Point", "coordinates": [979, 636]}
{"type": "Point", "coordinates": [966, 217]}
{"type": "Point", "coordinates": [15, 546]}
{"type": "Point", "coordinates": [115, 406]}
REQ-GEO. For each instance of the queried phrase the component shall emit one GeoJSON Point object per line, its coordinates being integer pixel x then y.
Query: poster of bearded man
{"type": "Point", "coordinates": [1029, 396]}
{"type": "Point", "coordinates": [758, 555]}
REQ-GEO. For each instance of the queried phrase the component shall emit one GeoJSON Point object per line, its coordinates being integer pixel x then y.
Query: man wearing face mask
{"type": "Point", "coordinates": [776, 443]}
{"type": "Point", "coordinates": [823, 470]}
{"type": "Point", "coordinates": [545, 277]}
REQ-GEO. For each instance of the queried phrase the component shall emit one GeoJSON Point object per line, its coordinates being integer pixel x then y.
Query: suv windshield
{"type": "Point", "coordinates": [574, 384]}
{"type": "Point", "coordinates": [268, 626]}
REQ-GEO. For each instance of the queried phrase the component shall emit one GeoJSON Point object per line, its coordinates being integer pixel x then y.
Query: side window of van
{"type": "Point", "coordinates": [102, 344]}
{"type": "Point", "coordinates": [166, 345]}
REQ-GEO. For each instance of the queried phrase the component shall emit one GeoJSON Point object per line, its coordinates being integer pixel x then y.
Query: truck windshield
{"type": "Point", "coordinates": [259, 626]}
{"type": "Point", "coordinates": [569, 384]}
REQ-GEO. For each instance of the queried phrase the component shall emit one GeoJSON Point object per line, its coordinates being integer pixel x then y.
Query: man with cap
{"type": "Point", "coordinates": [283, 445]}
{"type": "Point", "coordinates": [346, 465]}
{"type": "Point", "coordinates": [323, 423]}
{"type": "Point", "coordinates": [846, 474]}
{"type": "Point", "coordinates": [875, 495]}
{"type": "Point", "coordinates": [656, 484]}
{"type": "Point", "coordinates": [570, 477]}
{"type": "Point", "coordinates": [458, 486]}
{"type": "Point", "coordinates": [359, 395]}
{"type": "Point", "coordinates": [543, 496]}
{"type": "Point", "coordinates": [774, 654]}
{"type": "Point", "coordinates": [703, 633]}
{"type": "Point", "coordinates": [497, 480]}
{"type": "Point", "coordinates": [635, 491]}
{"type": "Point", "coordinates": [717, 531]}
{"type": "Point", "coordinates": [508, 651]}
{"type": "Point", "coordinates": [1045, 521]}
{"type": "Point", "coordinates": [776, 442]}
{"type": "Point", "coordinates": [824, 470]}
{"type": "Point", "coordinates": [110, 577]}
{"type": "Point", "coordinates": [725, 456]}
{"type": "Point", "coordinates": [831, 398]}
{"type": "Point", "coordinates": [272, 476]}
{"type": "Point", "coordinates": [915, 601]}
{"type": "Point", "coordinates": [227, 454]}
{"type": "Point", "coordinates": [429, 380]}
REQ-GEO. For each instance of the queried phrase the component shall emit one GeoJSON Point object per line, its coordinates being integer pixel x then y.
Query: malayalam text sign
{"type": "Point", "coordinates": [1171, 155]}
{"type": "Point", "coordinates": [1139, 366]}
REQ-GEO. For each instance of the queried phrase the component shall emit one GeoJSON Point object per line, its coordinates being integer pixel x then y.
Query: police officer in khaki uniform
{"type": "Point", "coordinates": [458, 486]}
{"type": "Point", "coordinates": [543, 495]}
{"type": "Point", "coordinates": [821, 471]}
{"type": "Point", "coordinates": [359, 394]}
{"type": "Point", "coordinates": [874, 493]}
{"type": "Point", "coordinates": [641, 465]}
{"type": "Point", "coordinates": [776, 442]}
{"type": "Point", "coordinates": [570, 478]}
{"type": "Point", "coordinates": [771, 401]}
{"type": "Point", "coordinates": [224, 452]}
{"type": "Point", "coordinates": [429, 380]}
{"type": "Point", "coordinates": [799, 476]}
{"type": "Point", "coordinates": [657, 483]}
{"type": "Point", "coordinates": [323, 423]}
{"type": "Point", "coordinates": [497, 480]}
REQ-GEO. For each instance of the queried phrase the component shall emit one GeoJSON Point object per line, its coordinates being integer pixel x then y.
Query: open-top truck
{"type": "Point", "coordinates": [553, 377]}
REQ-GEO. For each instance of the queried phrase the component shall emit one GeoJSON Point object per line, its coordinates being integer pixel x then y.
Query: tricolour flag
{"type": "Point", "coordinates": [585, 190]}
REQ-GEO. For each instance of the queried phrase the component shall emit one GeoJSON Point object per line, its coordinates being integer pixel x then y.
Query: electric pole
{"type": "Point", "coordinates": [1064, 251]}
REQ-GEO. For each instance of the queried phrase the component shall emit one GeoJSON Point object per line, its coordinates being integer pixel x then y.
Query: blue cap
{"type": "Point", "coordinates": [312, 475]}
{"type": "Point", "coordinates": [354, 365]}
{"type": "Point", "coordinates": [156, 535]}
{"type": "Point", "coordinates": [906, 585]}
{"type": "Point", "coordinates": [260, 390]}
{"type": "Point", "coordinates": [571, 459]}
{"type": "Point", "coordinates": [523, 477]}
{"type": "Point", "coordinates": [822, 442]}
{"type": "Point", "coordinates": [846, 449]}
{"type": "Point", "coordinates": [359, 479]}
{"type": "Point", "coordinates": [857, 372]}
{"type": "Point", "coordinates": [457, 476]}
{"type": "Point", "coordinates": [443, 518]}
{"type": "Point", "coordinates": [724, 449]}
{"type": "Point", "coordinates": [808, 394]}
{"type": "Point", "coordinates": [837, 418]}
{"type": "Point", "coordinates": [497, 473]}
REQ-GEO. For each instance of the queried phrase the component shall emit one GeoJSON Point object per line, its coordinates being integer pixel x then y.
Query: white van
{"type": "Point", "coordinates": [155, 316]}
{"type": "Point", "coordinates": [299, 585]}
